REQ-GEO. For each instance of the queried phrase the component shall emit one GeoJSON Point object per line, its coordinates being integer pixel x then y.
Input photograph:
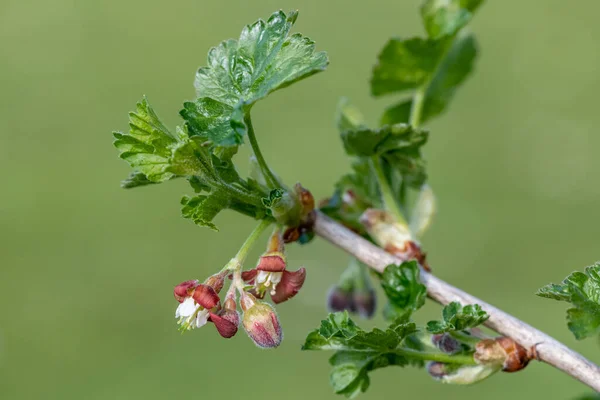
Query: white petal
{"type": "Point", "coordinates": [276, 277]}
{"type": "Point", "coordinates": [201, 318]}
{"type": "Point", "coordinates": [186, 309]}
{"type": "Point", "coordinates": [262, 277]}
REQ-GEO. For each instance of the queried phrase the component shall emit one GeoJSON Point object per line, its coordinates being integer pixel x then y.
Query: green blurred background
{"type": "Point", "coordinates": [88, 268]}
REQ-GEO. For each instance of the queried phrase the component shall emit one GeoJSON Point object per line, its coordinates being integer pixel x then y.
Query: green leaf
{"type": "Point", "coordinates": [403, 288]}
{"type": "Point", "coordinates": [136, 179]}
{"type": "Point", "coordinates": [398, 145]}
{"type": "Point", "coordinates": [455, 317]}
{"type": "Point", "coordinates": [210, 121]}
{"type": "Point", "coordinates": [447, 17]}
{"type": "Point", "coordinates": [265, 58]}
{"type": "Point", "coordinates": [451, 73]}
{"type": "Point", "coordinates": [582, 290]}
{"type": "Point", "coordinates": [203, 209]}
{"type": "Point", "coordinates": [359, 352]}
{"type": "Point", "coordinates": [348, 117]}
{"type": "Point", "coordinates": [406, 64]}
{"type": "Point", "coordinates": [152, 150]}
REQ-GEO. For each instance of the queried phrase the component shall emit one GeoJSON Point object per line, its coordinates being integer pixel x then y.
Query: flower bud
{"type": "Point", "coordinates": [262, 325]}
{"type": "Point", "coordinates": [502, 351]}
{"type": "Point", "coordinates": [463, 375]}
{"type": "Point", "coordinates": [307, 201]}
{"type": "Point", "coordinates": [227, 320]}
{"type": "Point", "coordinates": [217, 281]}
{"type": "Point", "coordinates": [365, 302]}
{"type": "Point", "coordinates": [446, 343]}
{"type": "Point", "coordinates": [339, 299]}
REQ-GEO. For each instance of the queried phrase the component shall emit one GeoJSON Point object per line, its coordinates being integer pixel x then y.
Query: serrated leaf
{"type": "Point", "coordinates": [151, 149]}
{"type": "Point", "coordinates": [204, 208]}
{"type": "Point", "coordinates": [403, 288]}
{"type": "Point", "coordinates": [359, 352]}
{"type": "Point", "coordinates": [455, 317]}
{"type": "Point", "coordinates": [265, 58]}
{"type": "Point", "coordinates": [451, 73]}
{"type": "Point", "coordinates": [398, 145]}
{"type": "Point", "coordinates": [582, 290]}
{"type": "Point", "coordinates": [137, 179]}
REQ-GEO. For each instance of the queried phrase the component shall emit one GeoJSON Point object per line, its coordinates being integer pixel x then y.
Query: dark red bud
{"type": "Point", "coordinates": [184, 290]}
{"type": "Point", "coordinates": [306, 199]}
{"type": "Point", "coordinates": [289, 286]}
{"type": "Point", "coordinates": [272, 262]}
{"type": "Point", "coordinates": [446, 343]}
{"type": "Point", "coordinates": [339, 299]}
{"type": "Point", "coordinates": [216, 281]}
{"type": "Point", "coordinates": [365, 302]}
{"type": "Point", "coordinates": [206, 296]}
{"type": "Point", "coordinates": [226, 322]}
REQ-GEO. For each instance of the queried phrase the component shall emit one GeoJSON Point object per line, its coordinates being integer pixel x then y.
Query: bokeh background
{"type": "Point", "coordinates": [87, 268]}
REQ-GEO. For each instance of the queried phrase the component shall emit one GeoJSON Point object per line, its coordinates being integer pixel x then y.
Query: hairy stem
{"type": "Point", "coordinates": [389, 200]}
{"type": "Point", "coordinates": [271, 179]}
{"type": "Point", "coordinates": [542, 346]}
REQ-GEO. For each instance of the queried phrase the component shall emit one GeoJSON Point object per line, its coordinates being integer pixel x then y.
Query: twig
{"type": "Point", "coordinates": [544, 347]}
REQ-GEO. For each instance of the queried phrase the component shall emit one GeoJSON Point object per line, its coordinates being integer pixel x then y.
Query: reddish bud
{"type": "Point", "coordinates": [339, 299]}
{"type": "Point", "coordinates": [262, 325]}
{"type": "Point", "coordinates": [502, 351]}
{"type": "Point", "coordinates": [217, 281]}
{"type": "Point", "coordinates": [365, 302]}
{"type": "Point", "coordinates": [446, 343]}
{"type": "Point", "coordinates": [306, 199]}
{"type": "Point", "coordinates": [206, 296]}
{"type": "Point", "coordinates": [289, 286]}
{"type": "Point", "coordinates": [184, 290]}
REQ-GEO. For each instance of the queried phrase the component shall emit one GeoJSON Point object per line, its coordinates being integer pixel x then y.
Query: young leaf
{"type": "Point", "coordinates": [265, 58]}
{"type": "Point", "coordinates": [398, 145]}
{"type": "Point", "coordinates": [436, 65]}
{"type": "Point", "coordinates": [359, 352]}
{"type": "Point", "coordinates": [455, 317]}
{"type": "Point", "coordinates": [582, 290]}
{"type": "Point", "coordinates": [451, 73]}
{"type": "Point", "coordinates": [136, 179]}
{"type": "Point", "coordinates": [403, 287]}
{"type": "Point", "coordinates": [423, 211]}
{"type": "Point", "coordinates": [152, 150]}
{"type": "Point", "coordinates": [447, 17]}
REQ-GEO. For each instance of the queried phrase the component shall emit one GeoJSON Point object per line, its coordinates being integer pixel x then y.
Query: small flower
{"type": "Point", "coordinates": [446, 343]}
{"type": "Point", "coordinates": [200, 303]}
{"type": "Point", "coordinates": [271, 275]}
{"type": "Point", "coordinates": [261, 322]}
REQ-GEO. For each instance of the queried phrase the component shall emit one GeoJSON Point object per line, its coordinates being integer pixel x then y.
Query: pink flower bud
{"type": "Point", "coordinates": [262, 325]}
{"type": "Point", "coordinates": [365, 302]}
{"type": "Point", "coordinates": [339, 299]}
{"type": "Point", "coordinates": [184, 290]}
{"type": "Point", "coordinates": [446, 343]}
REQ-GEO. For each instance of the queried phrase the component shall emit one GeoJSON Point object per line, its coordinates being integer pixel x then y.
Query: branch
{"type": "Point", "coordinates": [544, 347]}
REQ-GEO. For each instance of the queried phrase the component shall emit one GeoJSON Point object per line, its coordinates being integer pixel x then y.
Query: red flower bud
{"type": "Point", "coordinates": [217, 281]}
{"type": "Point", "coordinates": [365, 302]}
{"type": "Point", "coordinates": [206, 296]}
{"type": "Point", "coordinates": [446, 343]}
{"type": "Point", "coordinates": [261, 324]}
{"type": "Point", "coordinates": [339, 299]}
{"type": "Point", "coordinates": [184, 290]}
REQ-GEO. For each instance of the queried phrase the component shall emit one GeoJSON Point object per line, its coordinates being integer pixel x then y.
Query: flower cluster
{"type": "Point", "coordinates": [200, 303]}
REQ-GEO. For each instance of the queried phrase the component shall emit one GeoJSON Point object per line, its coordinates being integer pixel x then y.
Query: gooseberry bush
{"type": "Point", "coordinates": [384, 199]}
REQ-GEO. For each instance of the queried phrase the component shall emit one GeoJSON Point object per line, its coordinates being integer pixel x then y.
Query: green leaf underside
{"type": "Point", "coordinates": [151, 149]}
{"type": "Point", "coordinates": [582, 290]}
{"type": "Point", "coordinates": [264, 58]}
{"type": "Point", "coordinates": [137, 179]}
{"type": "Point", "coordinates": [438, 64]}
{"type": "Point", "coordinates": [403, 288]}
{"type": "Point", "coordinates": [359, 352]}
{"type": "Point", "coordinates": [455, 317]}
